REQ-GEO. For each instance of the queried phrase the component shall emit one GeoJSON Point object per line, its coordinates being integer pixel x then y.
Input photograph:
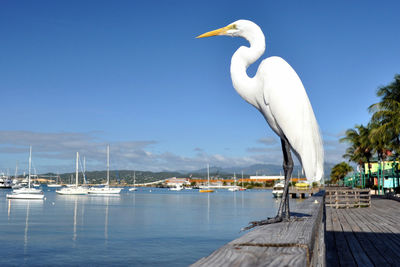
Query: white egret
{"type": "Point", "coordinates": [278, 93]}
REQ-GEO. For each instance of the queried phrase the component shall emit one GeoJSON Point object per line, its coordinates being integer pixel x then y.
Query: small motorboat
{"type": "Point", "coordinates": [277, 190]}
{"type": "Point", "coordinates": [178, 187]}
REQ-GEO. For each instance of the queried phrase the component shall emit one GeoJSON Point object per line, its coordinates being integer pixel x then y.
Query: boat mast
{"type": "Point", "coordinates": [76, 169]}
{"type": "Point", "coordinates": [208, 174]}
{"type": "Point", "coordinates": [30, 162]}
{"type": "Point", "coordinates": [108, 165]}
{"type": "Point", "coordinates": [84, 169]}
{"type": "Point", "coordinates": [134, 178]}
{"type": "Point", "coordinates": [16, 170]}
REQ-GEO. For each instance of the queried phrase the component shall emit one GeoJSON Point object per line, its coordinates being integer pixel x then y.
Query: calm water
{"type": "Point", "coordinates": [153, 228]}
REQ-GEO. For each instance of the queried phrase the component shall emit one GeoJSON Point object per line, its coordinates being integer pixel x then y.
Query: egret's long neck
{"type": "Point", "coordinates": [241, 60]}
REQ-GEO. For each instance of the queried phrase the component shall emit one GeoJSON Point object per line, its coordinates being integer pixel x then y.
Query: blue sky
{"type": "Point", "coordinates": [76, 75]}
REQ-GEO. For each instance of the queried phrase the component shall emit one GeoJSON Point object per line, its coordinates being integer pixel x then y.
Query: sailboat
{"type": "Point", "coordinates": [5, 181]}
{"type": "Point", "coordinates": [56, 185]}
{"type": "Point", "coordinates": [207, 189]}
{"type": "Point", "coordinates": [16, 183]}
{"type": "Point", "coordinates": [134, 183]}
{"type": "Point", "coordinates": [106, 190]}
{"type": "Point", "coordinates": [74, 190]}
{"type": "Point", "coordinates": [235, 187]}
{"type": "Point", "coordinates": [27, 192]}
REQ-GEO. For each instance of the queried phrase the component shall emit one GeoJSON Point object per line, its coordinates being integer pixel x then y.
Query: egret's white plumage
{"type": "Point", "coordinates": [278, 93]}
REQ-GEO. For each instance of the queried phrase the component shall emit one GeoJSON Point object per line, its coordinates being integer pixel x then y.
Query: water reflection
{"type": "Point", "coordinates": [75, 208]}
{"type": "Point", "coordinates": [26, 227]}
{"type": "Point", "coordinates": [106, 201]}
{"type": "Point", "coordinates": [19, 205]}
{"type": "Point", "coordinates": [75, 201]}
{"type": "Point", "coordinates": [208, 208]}
{"type": "Point", "coordinates": [153, 229]}
{"type": "Point", "coordinates": [234, 203]}
{"type": "Point", "coordinates": [9, 209]}
{"type": "Point", "coordinates": [106, 221]}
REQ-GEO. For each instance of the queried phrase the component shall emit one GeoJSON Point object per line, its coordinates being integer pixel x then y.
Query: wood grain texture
{"type": "Point", "coordinates": [364, 237]}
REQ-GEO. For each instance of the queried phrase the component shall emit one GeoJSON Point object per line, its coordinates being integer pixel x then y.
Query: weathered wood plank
{"type": "Point", "coordinates": [332, 258]}
{"type": "Point", "coordinates": [345, 258]}
{"type": "Point", "coordinates": [384, 225]}
{"type": "Point", "coordinates": [375, 235]}
{"type": "Point", "coordinates": [232, 255]}
{"type": "Point", "coordinates": [356, 250]}
{"type": "Point", "coordinates": [366, 244]}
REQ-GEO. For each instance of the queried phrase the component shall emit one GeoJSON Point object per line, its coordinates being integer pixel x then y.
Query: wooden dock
{"type": "Point", "coordinates": [364, 236]}
{"type": "Point", "coordinates": [326, 236]}
{"type": "Point", "coordinates": [296, 243]}
{"type": "Point", "coordinates": [302, 193]}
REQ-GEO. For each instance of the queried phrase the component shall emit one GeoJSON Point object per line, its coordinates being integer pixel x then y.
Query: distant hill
{"type": "Point", "coordinates": [126, 176]}
{"type": "Point", "coordinates": [260, 169]}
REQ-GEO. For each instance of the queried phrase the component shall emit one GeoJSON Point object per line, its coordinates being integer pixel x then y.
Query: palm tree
{"type": "Point", "coordinates": [379, 144]}
{"type": "Point", "coordinates": [339, 171]}
{"type": "Point", "coordinates": [360, 149]}
{"type": "Point", "coordinates": [386, 118]}
{"type": "Point", "coordinates": [386, 115]}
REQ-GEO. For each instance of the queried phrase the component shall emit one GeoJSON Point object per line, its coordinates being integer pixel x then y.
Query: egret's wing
{"type": "Point", "coordinates": [291, 109]}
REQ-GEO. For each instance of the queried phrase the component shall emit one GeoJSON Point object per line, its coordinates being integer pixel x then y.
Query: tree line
{"type": "Point", "coordinates": [379, 138]}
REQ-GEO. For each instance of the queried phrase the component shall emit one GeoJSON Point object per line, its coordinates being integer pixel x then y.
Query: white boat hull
{"type": "Point", "coordinates": [72, 191]}
{"type": "Point", "coordinates": [25, 196]}
{"type": "Point", "coordinates": [133, 189]}
{"type": "Point", "coordinates": [26, 190]}
{"type": "Point", "coordinates": [54, 185]}
{"type": "Point", "coordinates": [104, 191]}
{"type": "Point", "coordinates": [277, 193]}
{"type": "Point", "coordinates": [175, 189]}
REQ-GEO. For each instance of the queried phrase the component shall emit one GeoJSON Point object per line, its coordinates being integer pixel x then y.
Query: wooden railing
{"type": "Point", "coordinates": [295, 243]}
{"type": "Point", "coordinates": [339, 197]}
{"type": "Point", "coordinates": [392, 196]}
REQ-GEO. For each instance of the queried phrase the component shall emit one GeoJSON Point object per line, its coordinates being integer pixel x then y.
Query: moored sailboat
{"type": "Point", "coordinates": [134, 183]}
{"type": "Point", "coordinates": [27, 192]}
{"type": "Point", "coordinates": [57, 184]}
{"type": "Point", "coordinates": [74, 190]}
{"type": "Point", "coordinates": [235, 187]}
{"type": "Point", "coordinates": [207, 189]}
{"type": "Point", "coordinates": [106, 190]}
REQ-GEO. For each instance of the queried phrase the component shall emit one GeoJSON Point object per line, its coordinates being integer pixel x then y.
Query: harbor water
{"type": "Point", "coordinates": [148, 227]}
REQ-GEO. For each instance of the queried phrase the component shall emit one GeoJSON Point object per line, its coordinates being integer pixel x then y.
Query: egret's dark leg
{"type": "Point", "coordinates": [288, 169]}
{"type": "Point", "coordinates": [283, 211]}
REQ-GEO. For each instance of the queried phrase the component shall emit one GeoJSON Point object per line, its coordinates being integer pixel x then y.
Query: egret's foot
{"type": "Point", "coordinates": [276, 219]}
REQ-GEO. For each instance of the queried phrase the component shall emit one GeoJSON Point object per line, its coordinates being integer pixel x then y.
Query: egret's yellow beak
{"type": "Point", "coordinates": [220, 31]}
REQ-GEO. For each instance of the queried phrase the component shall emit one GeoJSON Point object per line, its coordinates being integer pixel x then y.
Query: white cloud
{"type": "Point", "coordinates": [56, 152]}
{"type": "Point", "coordinates": [268, 141]}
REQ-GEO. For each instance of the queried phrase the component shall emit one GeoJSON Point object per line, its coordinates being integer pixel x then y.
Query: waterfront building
{"type": "Point", "coordinates": [173, 182]}
{"type": "Point", "coordinates": [267, 178]}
